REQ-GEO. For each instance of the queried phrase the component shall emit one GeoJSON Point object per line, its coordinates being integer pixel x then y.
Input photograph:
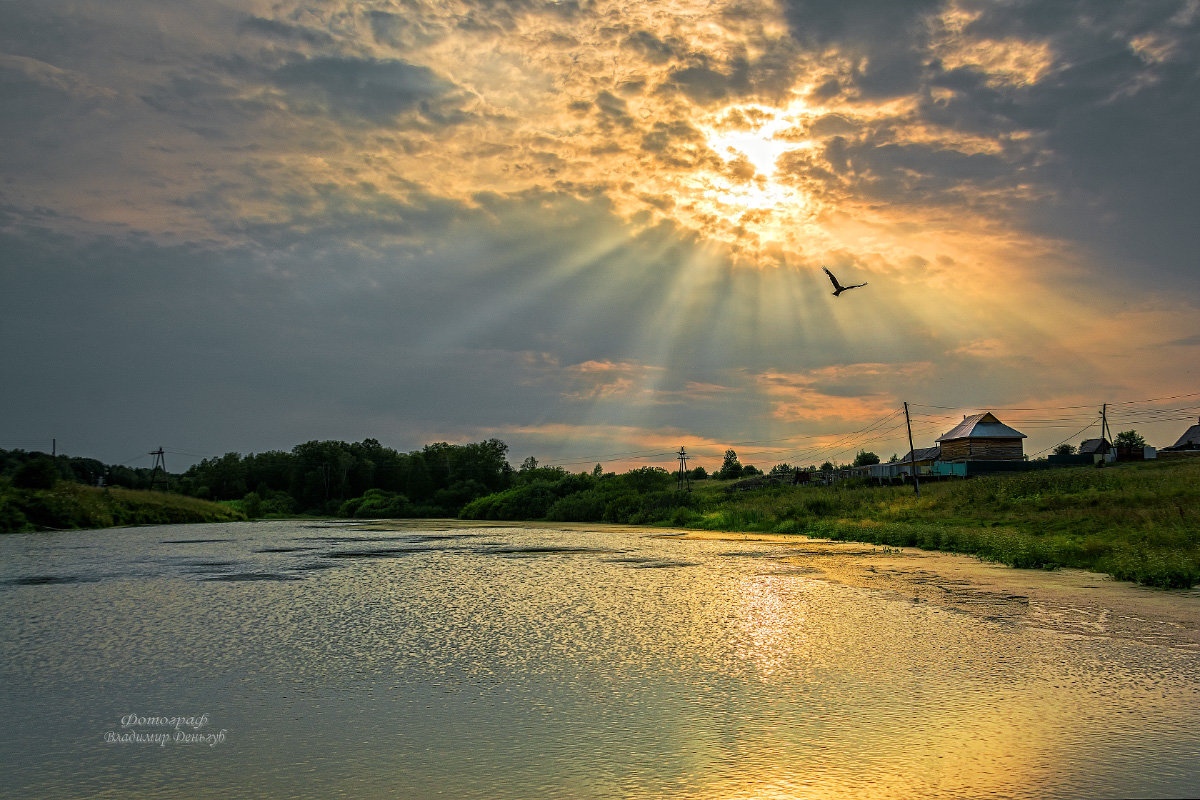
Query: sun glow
{"type": "Point", "coordinates": [750, 140]}
{"type": "Point", "coordinates": [758, 137]}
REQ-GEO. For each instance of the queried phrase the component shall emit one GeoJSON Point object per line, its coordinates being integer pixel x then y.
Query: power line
{"type": "Point", "coordinates": [1064, 408]}
{"type": "Point", "coordinates": [1069, 438]}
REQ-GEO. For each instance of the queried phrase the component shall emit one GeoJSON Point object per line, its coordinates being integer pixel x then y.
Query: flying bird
{"type": "Point", "coordinates": [837, 287]}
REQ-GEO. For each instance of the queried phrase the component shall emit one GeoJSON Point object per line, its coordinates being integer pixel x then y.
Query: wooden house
{"type": "Point", "coordinates": [1190, 441]}
{"type": "Point", "coordinates": [1095, 447]}
{"type": "Point", "coordinates": [982, 437]}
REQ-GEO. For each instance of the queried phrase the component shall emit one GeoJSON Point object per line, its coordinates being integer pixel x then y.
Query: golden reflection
{"type": "Point", "coordinates": [772, 625]}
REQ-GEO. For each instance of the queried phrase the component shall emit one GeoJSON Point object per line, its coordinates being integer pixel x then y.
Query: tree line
{"type": "Point", "coordinates": [37, 470]}
{"type": "Point", "coordinates": [354, 479]}
{"type": "Point", "coordinates": [366, 479]}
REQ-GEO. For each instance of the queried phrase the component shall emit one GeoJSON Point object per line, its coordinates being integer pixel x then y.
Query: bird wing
{"type": "Point", "coordinates": [836, 285]}
{"type": "Point", "coordinates": [855, 286]}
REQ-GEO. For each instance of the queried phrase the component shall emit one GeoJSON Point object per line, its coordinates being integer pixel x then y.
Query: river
{"type": "Point", "coordinates": [427, 659]}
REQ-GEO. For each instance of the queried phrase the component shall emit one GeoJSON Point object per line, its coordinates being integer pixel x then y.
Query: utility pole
{"type": "Point", "coordinates": [53, 447]}
{"type": "Point", "coordinates": [684, 482]}
{"type": "Point", "coordinates": [912, 453]}
{"type": "Point", "coordinates": [1105, 433]}
{"type": "Point", "coordinates": [159, 463]}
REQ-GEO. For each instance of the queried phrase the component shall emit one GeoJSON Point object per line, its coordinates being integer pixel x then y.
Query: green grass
{"type": "Point", "coordinates": [1136, 522]}
{"type": "Point", "coordinates": [72, 505]}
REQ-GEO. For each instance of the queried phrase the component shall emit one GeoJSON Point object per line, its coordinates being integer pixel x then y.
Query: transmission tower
{"type": "Point", "coordinates": [685, 483]}
{"type": "Point", "coordinates": [159, 464]}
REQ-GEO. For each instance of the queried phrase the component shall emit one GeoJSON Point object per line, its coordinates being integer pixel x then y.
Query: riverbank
{"type": "Point", "coordinates": [1134, 522]}
{"type": "Point", "coordinates": [1073, 602]}
{"type": "Point", "coordinates": [69, 506]}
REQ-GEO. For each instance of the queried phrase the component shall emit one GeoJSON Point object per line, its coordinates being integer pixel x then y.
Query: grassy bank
{"type": "Point", "coordinates": [72, 505]}
{"type": "Point", "coordinates": [1136, 522]}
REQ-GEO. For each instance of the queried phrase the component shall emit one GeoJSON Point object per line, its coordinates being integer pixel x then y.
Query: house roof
{"type": "Point", "coordinates": [1090, 446]}
{"type": "Point", "coordinates": [923, 454]}
{"type": "Point", "coordinates": [981, 426]}
{"type": "Point", "coordinates": [1191, 438]}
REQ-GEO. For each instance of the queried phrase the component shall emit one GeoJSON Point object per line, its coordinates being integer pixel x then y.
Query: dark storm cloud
{"type": "Point", "coordinates": [613, 110]}
{"type": "Point", "coordinates": [652, 48]}
{"type": "Point", "coordinates": [705, 82]}
{"type": "Point", "coordinates": [284, 31]}
{"type": "Point", "coordinates": [371, 88]}
{"type": "Point", "coordinates": [35, 30]}
{"type": "Point", "coordinates": [891, 36]}
{"type": "Point", "coordinates": [298, 325]}
{"type": "Point", "coordinates": [32, 91]}
{"type": "Point", "coordinates": [1105, 133]}
{"type": "Point", "coordinates": [1117, 118]}
{"type": "Point", "coordinates": [914, 173]}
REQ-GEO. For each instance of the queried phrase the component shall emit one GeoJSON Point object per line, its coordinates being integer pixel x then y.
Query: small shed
{"type": "Point", "coordinates": [982, 437]}
{"type": "Point", "coordinates": [1189, 441]}
{"type": "Point", "coordinates": [1094, 447]}
{"type": "Point", "coordinates": [922, 456]}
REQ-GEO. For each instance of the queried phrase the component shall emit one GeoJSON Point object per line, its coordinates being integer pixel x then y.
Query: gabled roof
{"type": "Point", "coordinates": [1091, 446]}
{"type": "Point", "coordinates": [1191, 438]}
{"type": "Point", "coordinates": [981, 426]}
{"type": "Point", "coordinates": [924, 454]}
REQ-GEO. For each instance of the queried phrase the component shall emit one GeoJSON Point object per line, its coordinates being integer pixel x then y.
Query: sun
{"type": "Point", "coordinates": [750, 139]}
{"type": "Point", "coordinates": [756, 136]}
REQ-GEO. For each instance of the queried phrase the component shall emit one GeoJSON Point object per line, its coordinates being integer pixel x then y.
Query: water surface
{"type": "Point", "coordinates": [433, 659]}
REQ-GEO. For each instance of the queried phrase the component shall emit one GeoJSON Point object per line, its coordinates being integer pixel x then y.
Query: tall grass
{"type": "Point", "coordinates": [72, 505]}
{"type": "Point", "coordinates": [1136, 522]}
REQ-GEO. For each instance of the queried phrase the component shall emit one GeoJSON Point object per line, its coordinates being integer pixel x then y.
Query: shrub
{"type": "Point", "coordinates": [36, 473]}
{"type": "Point", "coordinates": [580, 507]}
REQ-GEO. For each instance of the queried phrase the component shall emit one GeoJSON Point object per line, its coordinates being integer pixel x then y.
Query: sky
{"type": "Point", "coordinates": [595, 229]}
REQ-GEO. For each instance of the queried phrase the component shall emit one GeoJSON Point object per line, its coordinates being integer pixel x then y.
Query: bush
{"type": "Point", "coordinates": [11, 518]}
{"type": "Point", "coordinates": [377, 504]}
{"type": "Point", "coordinates": [581, 507]}
{"type": "Point", "coordinates": [252, 505]}
{"type": "Point", "coordinates": [36, 473]}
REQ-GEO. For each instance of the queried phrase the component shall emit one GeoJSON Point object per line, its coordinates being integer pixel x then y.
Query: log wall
{"type": "Point", "coordinates": [982, 450]}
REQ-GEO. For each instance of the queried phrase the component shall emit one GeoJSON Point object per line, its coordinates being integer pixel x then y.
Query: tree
{"type": "Point", "coordinates": [827, 466]}
{"type": "Point", "coordinates": [597, 471]}
{"type": "Point", "coordinates": [730, 467]}
{"type": "Point", "coordinates": [1065, 449]}
{"type": "Point", "coordinates": [1131, 439]}
{"type": "Point", "coordinates": [252, 505]}
{"type": "Point", "coordinates": [39, 472]}
{"type": "Point", "coordinates": [529, 464]}
{"type": "Point", "coordinates": [782, 469]}
{"type": "Point", "coordinates": [865, 458]}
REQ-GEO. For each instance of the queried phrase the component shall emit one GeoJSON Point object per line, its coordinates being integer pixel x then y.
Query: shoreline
{"type": "Point", "coordinates": [1072, 602]}
{"type": "Point", "coordinates": [1068, 601]}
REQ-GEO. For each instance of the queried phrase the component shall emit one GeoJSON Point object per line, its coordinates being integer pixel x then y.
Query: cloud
{"type": "Point", "coordinates": [843, 393]}
{"type": "Point", "coordinates": [412, 215]}
{"type": "Point", "coordinates": [625, 380]}
{"type": "Point", "coordinates": [884, 41]}
{"type": "Point", "coordinates": [285, 31]}
{"type": "Point", "coordinates": [372, 88]}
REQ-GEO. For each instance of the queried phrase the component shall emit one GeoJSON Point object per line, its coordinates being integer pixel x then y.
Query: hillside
{"type": "Point", "coordinates": [71, 505]}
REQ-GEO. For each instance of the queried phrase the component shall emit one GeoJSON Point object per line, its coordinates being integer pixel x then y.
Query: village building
{"type": "Point", "coordinates": [1189, 442]}
{"type": "Point", "coordinates": [981, 437]}
{"type": "Point", "coordinates": [1095, 447]}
